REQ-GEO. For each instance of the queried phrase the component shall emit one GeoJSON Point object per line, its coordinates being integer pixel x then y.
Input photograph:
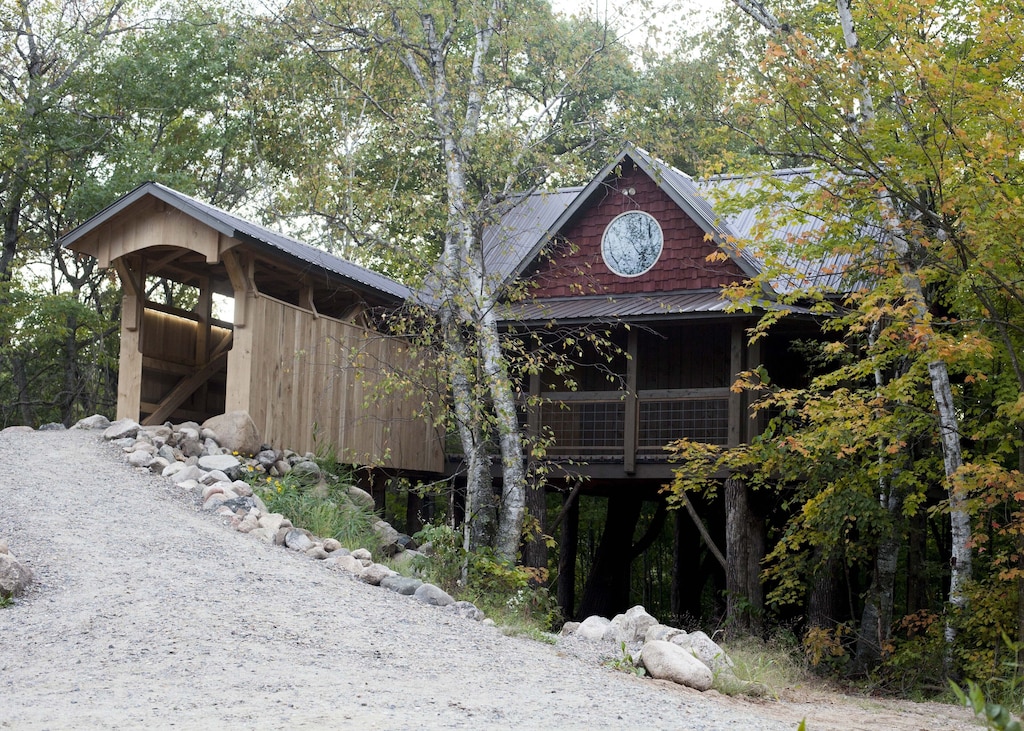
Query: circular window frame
{"type": "Point", "coordinates": [611, 228]}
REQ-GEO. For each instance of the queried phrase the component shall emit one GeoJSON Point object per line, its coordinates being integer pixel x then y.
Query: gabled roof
{"type": "Point", "coordinates": [511, 246]}
{"type": "Point", "coordinates": [267, 240]}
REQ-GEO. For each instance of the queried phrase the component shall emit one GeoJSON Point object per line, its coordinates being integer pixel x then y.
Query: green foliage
{"type": "Point", "coordinates": [996, 716]}
{"type": "Point", "coordinates": [511, 595]}
{"type": "Point", "coordinates": [323, 508]}
{"type": "Point", "coordinates": [627, 663]}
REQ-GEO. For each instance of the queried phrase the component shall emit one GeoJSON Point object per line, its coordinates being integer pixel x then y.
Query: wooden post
{"type": "Point", "coordinates": [629, 436]}
{"type": "Point", "coordinates": [133, 304]}
{"type": "Point", "coordinates": [736, 412]}
{"type": "Point", "coordinates": [754, 424]}
{"type": "Point", "coordinates": [567, 550]}
{"type": "Point", "coordinates": [240, 365]}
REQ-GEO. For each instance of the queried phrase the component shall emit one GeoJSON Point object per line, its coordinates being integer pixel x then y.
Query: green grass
{"type": "Point", "coordinates": [762, 668]}
{"type": "Point", "coordinates": [323, 509]}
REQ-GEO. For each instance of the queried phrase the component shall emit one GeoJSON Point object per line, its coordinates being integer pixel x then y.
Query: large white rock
{"type": "Point", "coordinates": [435, 595]}
{"type": "Point", "coordinates": [121, 429]}
{"type": "Point", "coordinates": [235, 431]}
{"type": "Point", "coordinates": [666, 661]}
{"type": "Point", "coordinates": [14, 575]}
{"type": "Point", "coordinates": [96, 421]}
{"type": "Point", "coordinates": [225, 463]}
{"type": "Point", "coordinates": [704, 649]}
{"type": "Point", "coordinates": [630, 627]}
{"type": "Point", "coordinates": [593, 627]}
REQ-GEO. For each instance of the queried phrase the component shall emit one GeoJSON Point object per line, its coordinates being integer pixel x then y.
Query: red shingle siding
{"type": "Point", "coordinates": [682, 265]}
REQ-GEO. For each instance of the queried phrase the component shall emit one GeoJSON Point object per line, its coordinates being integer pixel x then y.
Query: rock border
{"type": "Point", "coordinates": [191, 456]}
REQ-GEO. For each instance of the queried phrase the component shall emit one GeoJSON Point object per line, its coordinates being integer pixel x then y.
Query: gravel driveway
{"type": "Point", "coordinates": [148, 613]}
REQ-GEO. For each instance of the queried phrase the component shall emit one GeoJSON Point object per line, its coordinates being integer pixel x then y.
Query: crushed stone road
{"type": "Point", "coordinates": [147, 613]}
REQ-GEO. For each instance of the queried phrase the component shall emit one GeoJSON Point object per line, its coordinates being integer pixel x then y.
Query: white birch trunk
{"type": "Point", "coordinates": [949, 432]}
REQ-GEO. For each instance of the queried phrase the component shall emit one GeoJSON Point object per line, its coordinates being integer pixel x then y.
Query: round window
{"type": "Point", "coordinates": [632, 243]}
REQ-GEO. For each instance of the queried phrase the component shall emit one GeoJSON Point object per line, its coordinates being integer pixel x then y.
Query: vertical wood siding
{"type": "Point", "coordinates": [316, 381]}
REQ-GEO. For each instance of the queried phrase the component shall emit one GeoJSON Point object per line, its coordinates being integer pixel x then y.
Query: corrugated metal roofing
{"type": "Point", "coordinates": [235, 227]}
{"type": "Point", "coordinates": [512, 245]}
{"type": "Point", "coordinates": [784, 226]}
{"type": "Point", "coordinates": [625, 307]}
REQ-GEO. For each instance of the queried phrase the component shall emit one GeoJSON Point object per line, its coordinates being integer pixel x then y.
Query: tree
{"type": "Point", "coordinates": [484, 107]}
{"type": "Point", "coordinates": [904, 110]}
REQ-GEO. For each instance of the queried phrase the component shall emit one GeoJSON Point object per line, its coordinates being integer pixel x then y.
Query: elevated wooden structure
{"type": "Point", "coordinates": [299, 355]}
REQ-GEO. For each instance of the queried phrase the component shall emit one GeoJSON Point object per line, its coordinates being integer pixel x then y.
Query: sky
{"type": "Point", "coordinates": [662, 15]}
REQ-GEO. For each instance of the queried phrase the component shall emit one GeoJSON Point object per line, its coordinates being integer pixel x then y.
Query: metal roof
{"type": "Point", "coordinates": [628, 307]}
{"type": "Point", "coordinates": [785, 225]}
{"type": "Point", "coordinates": [512, 245]}
{"type": "Point", "coordinates": [230, 225]}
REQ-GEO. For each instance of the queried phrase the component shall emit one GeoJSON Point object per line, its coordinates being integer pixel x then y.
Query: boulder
{"type": "Point", "coordinates": [630, 627]}
{"type": "Point", "coordinates": [241, 487]}
{"type": "Point", "coordinates": [14, 575]}
{"type": "Point", "coordinates": [331, 545]}
{"type": "Point", "coordinates": [158, 465]}
{"type": "Point", "coordinates": [96, 421]}
{"type": "Point", "coordinates": [387, 536]}
{"type": "Point", "coordinates": [52, 426]}
{"type": "Point", "coordinates": [140, 458]}
{"type": "Point", "coordinates": [121, 429]}
{"type": "Point", "coordinates": [362, 554]}
{"type": "Point", "coordinates": [375, 573]}
{"type": "Point", "coordinates": [405, 585]}
{"type": "Point", "coordinates": [267, 458]}
{"type": "Point", "coordinates": [307, 470]}
{"type": "Point", "coordinates": [704, 649]}
{"type": "Point", "coordinates": [468, 610]}
{"type": "Point", "coordinates": [666, 661]}
{"type": "Point", "coordinates": [235, 431]}
{"type": "Point", "coordinates": [264, 534]}
{"type": "Point", "coordinates": [593, 627]}
{"type": "Point", "coordinates": [433, 595]}
{"type": "Point", "coordinates": [297, 540]}
{"type": "Point", "coordinates": [662, 632]}
{"type": "Point", "coordinates": [16, 429]}
{"type": "Point", "coordinates": [272, 521]}
{"type": "Point", "coordinates": [361, 497]}
{"type": "Point", "coordinates": [347, 563]}
{"type": "Point", "coordinates": [190, 472]}
{"type": "Point", "coordinates": [226, 463]}
{"type": "Point", "coordinates": [404, 559]}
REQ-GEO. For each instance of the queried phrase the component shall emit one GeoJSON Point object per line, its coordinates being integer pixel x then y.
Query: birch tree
{"type": "Point", "coordinates": [448, 78]}
{"type": "Point", "coordinates": [837, 123]}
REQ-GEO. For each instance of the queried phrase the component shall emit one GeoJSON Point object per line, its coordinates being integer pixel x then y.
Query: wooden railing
{"type": "Point", "coordinates": [596, 424]}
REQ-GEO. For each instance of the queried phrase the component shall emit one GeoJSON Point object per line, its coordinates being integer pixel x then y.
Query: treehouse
{"type": "Point", "coordinates": [636, 262]}
{"type": "Point", "coordinates": [296, 349]}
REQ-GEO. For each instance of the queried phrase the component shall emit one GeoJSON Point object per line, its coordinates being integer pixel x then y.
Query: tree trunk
{"type": "Point", "coordinates": [535, 547]}
{"type": "Point", "coordinates": [745, 549]}
{"type": "Point", "coordinates": [512, 504]}
{"type": "Point", "coordinates": [876, 620]}
{"type": "Point", "coordinates": [568, 547]}
{"type": "Point", "coordinates": [607, 590]}
{"type": "Point", "coordinates": [826, 593]}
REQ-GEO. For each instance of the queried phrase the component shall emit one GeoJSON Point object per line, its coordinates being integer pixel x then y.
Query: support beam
{"type": "Point", "coordinates": [185, 388]}
{"type": "Point", "coordinates": [736, 411]}
{"type": "Point", "coordinates": [629, 436]}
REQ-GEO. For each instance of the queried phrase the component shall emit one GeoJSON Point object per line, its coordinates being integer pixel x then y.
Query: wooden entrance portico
{"type": "Point", "coordinates": [300, 353]}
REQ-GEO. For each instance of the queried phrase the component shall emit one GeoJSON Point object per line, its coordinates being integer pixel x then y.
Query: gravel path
{"type": "Point", "coordinates": [148, 613]}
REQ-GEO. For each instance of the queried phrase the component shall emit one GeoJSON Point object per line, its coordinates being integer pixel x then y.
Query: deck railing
{"type": "Point", "coordinates": [593, 424]}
